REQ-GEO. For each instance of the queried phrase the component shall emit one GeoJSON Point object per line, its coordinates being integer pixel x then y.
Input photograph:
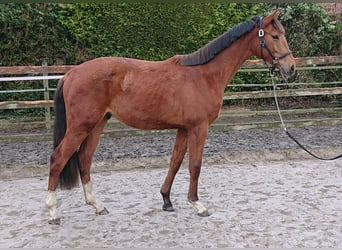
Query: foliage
{"type": "Point", "coordinates": [150, 31]}
{"type": "Point", "coordinates": [73, 33]}
{"type": "Point", "coordinates": [30, 33]}
{"type": "Point", "coordinates": [310, 30]}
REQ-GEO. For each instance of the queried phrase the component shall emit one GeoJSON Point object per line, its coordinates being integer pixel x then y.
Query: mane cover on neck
{"type": "Point", "coordinates": [210, 50]}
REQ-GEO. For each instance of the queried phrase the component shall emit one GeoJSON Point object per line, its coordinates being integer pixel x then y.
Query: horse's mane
{"type": "Point", "coordinates": [210, 50]}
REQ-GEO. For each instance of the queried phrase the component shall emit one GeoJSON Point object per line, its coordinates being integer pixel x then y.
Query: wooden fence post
{"type": "Point", "coordinates": [46, 97]}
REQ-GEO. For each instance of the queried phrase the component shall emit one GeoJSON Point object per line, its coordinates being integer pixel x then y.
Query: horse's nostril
{"type": "Point", "coordinates": [292, 69]}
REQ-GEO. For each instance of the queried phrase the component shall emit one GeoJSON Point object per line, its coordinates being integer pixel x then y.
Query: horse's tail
{"type": "Point", "coordinates": [69, 176]}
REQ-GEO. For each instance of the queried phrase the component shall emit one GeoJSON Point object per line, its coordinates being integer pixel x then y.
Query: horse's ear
{"type": "Point", "coordinates": [274, 15]}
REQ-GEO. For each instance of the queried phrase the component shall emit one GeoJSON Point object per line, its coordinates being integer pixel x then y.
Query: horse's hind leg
{"type": "Point", "coordinates": [59, 158]}
{"type": "Point", "coordinates": [86, 153]}
{"type": "Point", "coordinates": [179, 150]}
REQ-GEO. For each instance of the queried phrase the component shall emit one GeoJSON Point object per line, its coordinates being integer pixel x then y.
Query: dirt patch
{"type": "Point", "coordinates": [261, 191]}
{"type": "Point", "coordinates": [260, 204]}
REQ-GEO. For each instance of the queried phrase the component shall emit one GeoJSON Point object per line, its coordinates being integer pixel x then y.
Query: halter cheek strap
{"type": "Point", "coordinates": [263, 46]}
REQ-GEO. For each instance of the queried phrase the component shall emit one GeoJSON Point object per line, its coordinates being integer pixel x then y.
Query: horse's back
{"type": "Point", "coordinates": [142, 94]}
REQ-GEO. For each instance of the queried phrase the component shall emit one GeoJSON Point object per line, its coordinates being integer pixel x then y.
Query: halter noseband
{"type": "Point", "coordinates": [263, 45]}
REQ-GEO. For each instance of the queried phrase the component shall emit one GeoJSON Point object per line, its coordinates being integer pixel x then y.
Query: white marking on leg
{"type": "Point", "coordinates": [51, 204]}
{"type": "Point", "coordinates": [90, 198]}
{"type": "Point", "coordinates": [201, 210]}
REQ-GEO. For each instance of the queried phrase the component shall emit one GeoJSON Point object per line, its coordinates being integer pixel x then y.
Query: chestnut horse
{"type": "Point", "coordinates": [184, 92]}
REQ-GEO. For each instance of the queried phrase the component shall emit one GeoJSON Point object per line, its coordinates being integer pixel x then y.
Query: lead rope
{"type": "Point", "coordinates": [288, 133]}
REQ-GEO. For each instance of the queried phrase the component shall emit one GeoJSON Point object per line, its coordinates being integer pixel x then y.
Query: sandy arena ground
{"type": "Point", "coordinates": [260, 189]}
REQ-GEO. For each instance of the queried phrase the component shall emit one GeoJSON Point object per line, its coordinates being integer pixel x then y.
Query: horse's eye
{"type": "Point", "coordinates": [275, 37]}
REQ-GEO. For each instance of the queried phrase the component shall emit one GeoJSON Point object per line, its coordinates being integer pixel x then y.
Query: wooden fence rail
{"type": "Point", "coordinates": [334, 88]}
{"type": "Point", "coordinates": [249, 64]}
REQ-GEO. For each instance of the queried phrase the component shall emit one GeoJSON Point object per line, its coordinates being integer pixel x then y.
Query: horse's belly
{"type": "Point", "coordinates": [145, 122]}
{"type": "Point", "coordinates": [146, 117]}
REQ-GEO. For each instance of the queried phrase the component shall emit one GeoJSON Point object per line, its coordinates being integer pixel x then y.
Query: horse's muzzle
{"type": "Point", "coordinates": [287, 70]}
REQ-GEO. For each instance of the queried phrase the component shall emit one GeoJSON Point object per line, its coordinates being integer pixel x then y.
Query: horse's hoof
{"type": "Point", "coordinates": [103, 212]}
{"type": "Point", "coordinates": [204, 213]}
{"type": "Point", "coordinates": [201, 210]}
{"type": "Point", "coordinates": [55, 221]}
{"type": "Point", "coordinates": [168, 208]}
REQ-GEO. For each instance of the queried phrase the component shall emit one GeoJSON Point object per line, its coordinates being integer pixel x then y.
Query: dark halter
{"type": "Point", "coordinates": [263, 45]}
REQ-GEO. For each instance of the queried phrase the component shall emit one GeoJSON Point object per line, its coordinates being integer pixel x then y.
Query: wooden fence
{"type": "Point", "coordinates": [230, 118]}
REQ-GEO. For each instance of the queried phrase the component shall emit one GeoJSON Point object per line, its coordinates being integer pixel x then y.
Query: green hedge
{"type": "Point", "coordinates": [73, 33]}
{"type": "Point", "coordinates": [150, 31]}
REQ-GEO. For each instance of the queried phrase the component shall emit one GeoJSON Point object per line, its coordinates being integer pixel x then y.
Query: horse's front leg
{"type": "Point", "coordinates": [196, 137]}
{"type": "Point", "coordinates": [179, 150]}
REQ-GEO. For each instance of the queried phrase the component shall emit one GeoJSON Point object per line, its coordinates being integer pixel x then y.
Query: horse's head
{"type": "Point", "coordinates": [273, 47]}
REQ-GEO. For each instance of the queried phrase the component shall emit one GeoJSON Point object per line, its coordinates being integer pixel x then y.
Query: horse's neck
{"type": "Point", "coordinates": [225, 65]}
